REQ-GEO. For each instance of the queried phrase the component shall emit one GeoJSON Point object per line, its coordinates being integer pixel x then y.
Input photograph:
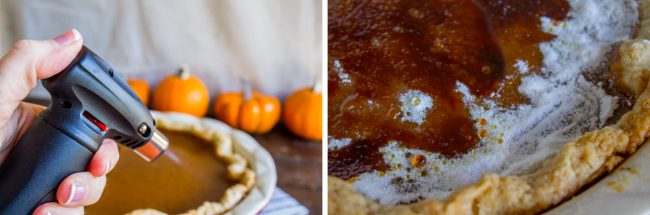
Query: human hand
{"type": "Point", "coordinates": [20, 68]}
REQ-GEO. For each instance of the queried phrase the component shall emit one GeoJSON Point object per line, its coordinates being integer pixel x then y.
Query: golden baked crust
{"type": "Point", "coordinates": [237, 166]}
{"type": "Point", "coordinates": [577, 163]}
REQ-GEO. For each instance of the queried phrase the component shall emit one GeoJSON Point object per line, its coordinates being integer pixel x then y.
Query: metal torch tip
{"type": "Point", "coordinates": [154, 147]}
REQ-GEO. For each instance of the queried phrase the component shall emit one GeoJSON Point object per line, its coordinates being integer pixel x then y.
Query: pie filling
{"type": "Point", "coordinates": [167, 185]}
{"type": "Point", "coordinates": [427, 96]}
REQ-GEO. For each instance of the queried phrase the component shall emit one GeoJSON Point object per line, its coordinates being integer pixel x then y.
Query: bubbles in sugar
{"type": "Point", "coordinates": [522, 66]}
{"type": "Point", "coordinates": [415, 105]}
{"type": "Point", "coordinates": [344, 77]}
{"type": "Point", "coordinates": [335, 144]}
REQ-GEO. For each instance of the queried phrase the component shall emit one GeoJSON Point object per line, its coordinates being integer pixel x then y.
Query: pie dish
{"type": "Point", "coordinates": [240, 180]}
{"type": "Point", "coordinates": [552, 95]}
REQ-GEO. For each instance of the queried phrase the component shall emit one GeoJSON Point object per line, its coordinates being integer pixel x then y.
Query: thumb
{"type": "Point", "coordinates": [30, 60]}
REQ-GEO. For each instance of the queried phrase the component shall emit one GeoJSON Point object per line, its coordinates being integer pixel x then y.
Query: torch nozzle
{"type": "Point", "coordinates": [154, 147]}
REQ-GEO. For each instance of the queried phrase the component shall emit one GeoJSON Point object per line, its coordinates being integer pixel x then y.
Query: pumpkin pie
{"type": "Point", "coordinates": [489, 106]}
{"type": "Point", "coordinates": [204, 175]}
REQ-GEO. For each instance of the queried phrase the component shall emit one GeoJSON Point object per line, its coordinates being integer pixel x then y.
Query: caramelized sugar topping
{"type": "Point", "coordinates": [394, 68]}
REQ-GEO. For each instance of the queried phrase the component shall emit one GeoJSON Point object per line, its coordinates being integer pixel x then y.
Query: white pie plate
{"type": "Point", "coordinates": [625, 191]}
{"type": "Point", "coordinates": [259, 160]}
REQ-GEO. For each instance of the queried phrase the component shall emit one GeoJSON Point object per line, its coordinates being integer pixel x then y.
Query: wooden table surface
{"type": "Point", "coordinates": [298, 164]}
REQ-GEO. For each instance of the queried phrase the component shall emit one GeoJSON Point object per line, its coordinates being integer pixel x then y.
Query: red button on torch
{"type": "Point", "coordinates": [95, 121]}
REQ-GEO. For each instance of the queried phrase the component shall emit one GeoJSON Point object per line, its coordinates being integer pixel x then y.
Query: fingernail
{"type": "Point", "coordinates": [106, 141]}
{"type": "Point", "coordinates": [77, 192]}
{"type": "Point", "coordinates": [48, 213]}
{"type": "Point", "coordinates": [68, 37]}
{"type": "Point", "coordinates": [108, 166]}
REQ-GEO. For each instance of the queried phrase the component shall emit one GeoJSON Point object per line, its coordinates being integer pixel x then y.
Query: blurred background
{"type": "Point", "coordinates": [276, 45]}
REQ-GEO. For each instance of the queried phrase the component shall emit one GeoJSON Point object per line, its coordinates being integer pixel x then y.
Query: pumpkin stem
{"type": "Point", "coordinates": [246, 89]}
{"type": "Point", "coordinates": [184, 72]}
{"type": "Point", "coordinates": [317, 85]}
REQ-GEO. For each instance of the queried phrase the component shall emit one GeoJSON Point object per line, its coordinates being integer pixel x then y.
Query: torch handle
{"type": "Point", "coordinates": [41, 159]}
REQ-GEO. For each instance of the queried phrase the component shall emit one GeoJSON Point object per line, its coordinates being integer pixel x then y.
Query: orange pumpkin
{"type": "Point", "coordinates": [303, 113]}
{"type": "Point", "coordinates": [141, 88]}
{"type": "Point", "coordinates": [247, 110]}
{"type": "Point", "coordinates": [182, 93]}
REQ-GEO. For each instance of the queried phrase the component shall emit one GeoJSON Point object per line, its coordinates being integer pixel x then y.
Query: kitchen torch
{"type": "Point", "coordinates": [90, 102]}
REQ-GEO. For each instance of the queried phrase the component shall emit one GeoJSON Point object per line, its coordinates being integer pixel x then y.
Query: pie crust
{"type": "Point", "coordinates": [578, 162]}
{"type": "Point", "coordinates": [237, 166]}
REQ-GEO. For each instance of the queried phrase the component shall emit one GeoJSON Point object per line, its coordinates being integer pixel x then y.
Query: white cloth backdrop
{"type": "Point", "coordinates": [276, 44]}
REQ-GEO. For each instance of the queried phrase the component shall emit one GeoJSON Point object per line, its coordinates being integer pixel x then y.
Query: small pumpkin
{"type": "Point", "coordinates": [249, 111]}
{"type": "Point", "coordinates": [303, 112]}
{"type": "Point", "coordinates": [141, 88]}
{"type": "Point", "coordinates": [183, 93]}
